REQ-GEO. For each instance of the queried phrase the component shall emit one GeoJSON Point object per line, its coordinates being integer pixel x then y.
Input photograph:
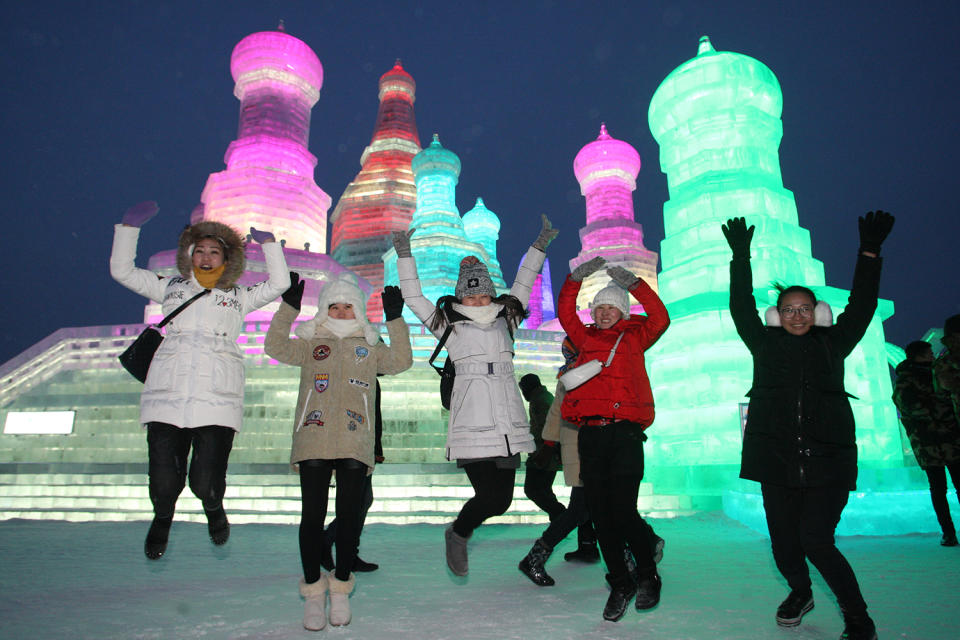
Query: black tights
{"type": "Point", "coordinates": [314, 494]}
{"type": "Point", "coordinates": [937, 476]}
{"type": "Point", "coordinates": [493, 493]}
{"type": "Point", "coordinates": [168, 447]}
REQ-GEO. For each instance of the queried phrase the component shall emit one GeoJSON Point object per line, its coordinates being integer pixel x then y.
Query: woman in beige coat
{"type": "Point", "coordinates": [339, 354]}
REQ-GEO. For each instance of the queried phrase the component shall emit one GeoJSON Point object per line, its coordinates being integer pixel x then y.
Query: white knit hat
{"type": "Point", "coordinates": [341, 288]}
{"type": "Point", "coordinates": [614, 295]}
{"type": "Point", "coordinates": [474, 279]}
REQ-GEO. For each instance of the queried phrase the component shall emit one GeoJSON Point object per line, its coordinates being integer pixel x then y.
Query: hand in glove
{"type": "Point", "coordinates": [392, 303]}
{"type": "Point", "coordinates": [139, 214]}
{"type": "Point", "coordinates": [401, 242]}
{"type": "Point", "coordinates": [588, 268]}
{"type": "Point", "coordinates": [294, 294]}
{"type": "Point", "coordinates": [542, 457]}
{"type": "Point", "coordinates": [738, 236]}
{"type": "Point", "coordinates": [874, 228]}
{"type": "Point", "coordinates": [547, 234]}
{"type": "Point", "coordinates": [622, 277]}
{"type": "Point", "coordinates": [262, 237]}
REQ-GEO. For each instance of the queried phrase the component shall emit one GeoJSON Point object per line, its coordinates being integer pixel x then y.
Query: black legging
{"type": "Point", "coordinates": [493, 493]}
{"type": "Point", "coordinates": [168, 447]}
{"type": "Point", "coordinates": [937, 476]}
{"type": "Point", "coordinates": [538, 487]}
{"type": "Point", "coordinates": [802, 522]}
{"type": "Point", "coordinates": [314, 494]}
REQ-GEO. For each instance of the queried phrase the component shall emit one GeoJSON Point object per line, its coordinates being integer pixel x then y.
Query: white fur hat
{"type": "Point", "coordinates": [614, 295]}
{"type": "Point", "coordinates": [344, 288]}
{"type": "Point", "coordinates": [822, 315]}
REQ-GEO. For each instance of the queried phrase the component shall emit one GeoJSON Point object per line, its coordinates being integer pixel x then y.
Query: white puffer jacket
{"type": "Point", "coordinates": [196, 377]}
{"type": "Point", "coordinates": [487, 414]}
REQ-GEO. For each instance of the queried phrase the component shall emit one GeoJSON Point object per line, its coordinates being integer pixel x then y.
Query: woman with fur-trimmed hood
{"type": "Point", "coordinates": [193, 394]}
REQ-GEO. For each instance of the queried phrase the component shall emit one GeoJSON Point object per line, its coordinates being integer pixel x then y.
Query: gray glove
{"type": "Point", "coordinates": [588, 268]}
{"type": "Point", "coordinates": [622, 277]}
{"type": "Point", "coordinates": [140, 213]}
{"type": "Point", "coordinates": [261, 237]}
{"type": "Point", "coordinates": [401, 242]}
{"type": "Point", "coordinates": [547, 234]}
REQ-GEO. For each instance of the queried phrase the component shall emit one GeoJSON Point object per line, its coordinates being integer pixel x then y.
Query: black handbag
{"type": "Point", "coordinates": [137, 357]}
{"type": "Point", "coordinates": [447, 373]}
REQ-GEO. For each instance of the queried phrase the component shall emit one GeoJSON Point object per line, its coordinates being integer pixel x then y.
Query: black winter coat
{"type": "Point", "coordinates": [800, 429]}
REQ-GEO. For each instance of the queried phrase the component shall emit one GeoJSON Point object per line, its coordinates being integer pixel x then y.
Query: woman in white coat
{"type": "Point", "coordinates": [488, 426]}
{"type": "Point", "coordinates": [193, 394]}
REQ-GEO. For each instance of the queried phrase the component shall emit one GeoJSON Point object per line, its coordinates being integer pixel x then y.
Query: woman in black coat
{"type": "Point", "coordinates": [800, 442]}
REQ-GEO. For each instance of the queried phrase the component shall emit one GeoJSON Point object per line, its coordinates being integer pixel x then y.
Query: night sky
{"type": "Point", "coordinates": [106, 104]}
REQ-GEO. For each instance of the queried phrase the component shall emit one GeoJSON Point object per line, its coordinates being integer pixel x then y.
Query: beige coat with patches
{"type": "Point", "coordinates": [335, 409]}
{"type": "Point", "coordinates": [559, 430]}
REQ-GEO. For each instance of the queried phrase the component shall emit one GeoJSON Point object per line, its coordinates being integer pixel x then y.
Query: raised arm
{"type": "Point", "coordinates": [657, 317]}
{"type": "Point", "coordinates": [398, 357]}
{"type": "Point", "coordinates": [278, 344]}
{"type": "Point", "coordinates": [124, 252]}
{"type": "Point", "coordinates": [743, 306]}
{"type": "Point", "coordinates": [409, 280]}
{"type": "Point", "coordinates": [533, 262]}
{"type": "Point", "coordinates": [277, 281]}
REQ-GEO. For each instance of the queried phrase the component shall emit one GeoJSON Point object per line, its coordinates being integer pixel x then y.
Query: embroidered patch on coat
{"type": "Point", "coordinates": [321, 352]}
{"type": "Point", "coordinates": [359, 383]}
{"type": "Point", "coordinates": [313, 419]}
{"type": "Point", "coordinates": [321, 381]}
{"type": "Point", "coordinates": [353, 415]}
{"type": "Point", "coordinates": [362, 352]}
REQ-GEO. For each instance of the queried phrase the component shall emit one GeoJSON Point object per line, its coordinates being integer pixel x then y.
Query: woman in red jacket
{"type": "Point", "coordinates": [611, 411]}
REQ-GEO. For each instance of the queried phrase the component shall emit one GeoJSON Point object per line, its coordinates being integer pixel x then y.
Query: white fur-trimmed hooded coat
{"type": "Point", "coordinates": [196, 378]}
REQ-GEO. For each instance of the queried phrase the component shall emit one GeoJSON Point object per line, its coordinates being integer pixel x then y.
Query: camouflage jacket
{"type": "Point", "coordinates": [927, 415]}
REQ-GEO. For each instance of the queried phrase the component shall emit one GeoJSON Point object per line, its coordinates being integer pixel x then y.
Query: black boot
{"type": "Point", "coordinates": [858, 626]}
{"type": "Point", "coordinates": [532, 564]}
{"type": "Point", "coordinates": [793, 608]}
{"type": "Point", "coordinates": [217, 526]}
{"type": "Point", "coordinates": [362, 566]}
{"type": "Point", "coordinates": [658, 544]}
{"type": "Point", "coordinates": [621, 593]}
{"type": "Point", "coordinates": [586, 552]}
{"type": "Point", "coordinates": [156, 543]}
{"type": "Point", "coordinates": [949, 540]}
{"type": "Point", "coordinates": [648, 590]}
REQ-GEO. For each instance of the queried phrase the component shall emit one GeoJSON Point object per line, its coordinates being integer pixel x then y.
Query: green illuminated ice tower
{"type": "Point", "coordinates": [716, 118]}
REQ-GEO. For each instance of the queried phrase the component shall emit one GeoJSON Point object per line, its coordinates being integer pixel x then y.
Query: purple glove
{"type": "Point", "coordinates": [261, 237]}
{"type": "Point", "coordinates": [140, 213]}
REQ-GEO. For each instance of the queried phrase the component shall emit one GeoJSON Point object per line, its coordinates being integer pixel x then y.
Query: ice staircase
{"type": "Point", "coordinates": [403, 493]}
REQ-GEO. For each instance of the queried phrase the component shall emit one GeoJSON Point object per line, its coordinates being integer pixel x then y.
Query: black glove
{"type": "Point", "coordinates": [542, 457]}
{"type": "Point", "coordinates": [738, 236]}
{"type": "Point", "coordinates": [874, 228]}
{"type": "Point", "coordinates": [392, 303]}
{"type": "Point", "coordinates": [294, 294]}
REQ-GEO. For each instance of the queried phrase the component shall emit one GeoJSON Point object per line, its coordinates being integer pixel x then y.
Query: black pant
{"type": "Point", "coordinates": [493, 493]}
{"type": "Point", "coordinates": [575, 515]}
{"type": "Point", "coordinates": [937, 476]}
{"type": "Point", "coordinates": [314, 494]}
{"type": "Point", "coordinates": [168, 447]}
{"type": "Point", "coordinates": [538, 486]}
{"type": "Point", "coordinates": [611, 467]}
{"type": "Point", "coordinates": [802, 522]}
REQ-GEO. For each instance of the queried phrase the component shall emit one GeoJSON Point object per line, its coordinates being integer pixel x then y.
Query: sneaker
{"type": "Point", "coordinates": [793, 608]}
{"type": "Point", "coordinates": [648, 591]}
{"type": "Point", "coordinates": [948, 540]}
{"type": "Point", "coordinates": [619, 599]}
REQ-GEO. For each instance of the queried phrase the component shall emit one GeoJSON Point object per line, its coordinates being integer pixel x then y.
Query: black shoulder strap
{"type": "Point", "coordinates": [173, 314]}
{"type": "Point", "coordinates": [436, 352]}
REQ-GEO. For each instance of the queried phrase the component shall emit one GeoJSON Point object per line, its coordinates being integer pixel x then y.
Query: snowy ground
{"type": "Point", "coordinates": [91, 580]}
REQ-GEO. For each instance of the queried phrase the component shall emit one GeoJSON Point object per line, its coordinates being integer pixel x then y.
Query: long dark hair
{"type": "Point", "coordinates": [444, 314]}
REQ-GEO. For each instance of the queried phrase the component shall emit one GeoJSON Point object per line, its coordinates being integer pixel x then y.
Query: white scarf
{"type": "Point", "coordinates": [481, 315]}
{"type": "Point", "coordinates": [342, 328]}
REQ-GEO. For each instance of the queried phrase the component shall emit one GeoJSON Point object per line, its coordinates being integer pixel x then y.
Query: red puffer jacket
{"type": "Point", "coordinates": [622, 390]}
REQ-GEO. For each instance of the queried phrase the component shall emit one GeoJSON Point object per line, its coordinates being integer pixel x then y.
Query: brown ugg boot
{"type": "Point", "coordinates": [340, 600]}
{"type": "Point", "coordinates": [314, 610]}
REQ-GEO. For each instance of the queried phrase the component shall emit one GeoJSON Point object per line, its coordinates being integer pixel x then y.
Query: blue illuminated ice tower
{"type": "Point", "coordinates": [717, 120]}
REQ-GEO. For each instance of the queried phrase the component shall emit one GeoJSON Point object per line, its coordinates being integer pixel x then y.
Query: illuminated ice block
{"type": "Point", "coordinates": [383, 196]}
{"type": "Point", "coordinates": [717, 121]}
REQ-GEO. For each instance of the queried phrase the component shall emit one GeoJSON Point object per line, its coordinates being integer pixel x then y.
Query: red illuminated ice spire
{"type": "Point", "coordinates": [383, 196]}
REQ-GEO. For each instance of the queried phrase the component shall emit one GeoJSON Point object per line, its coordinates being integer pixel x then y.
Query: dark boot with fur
{"type": "Point", "coordinates": [218, 527]}
{"type": "Point", "coordinates": [156, 544]}
{"type": "Point", "coordinates": [532, 564]}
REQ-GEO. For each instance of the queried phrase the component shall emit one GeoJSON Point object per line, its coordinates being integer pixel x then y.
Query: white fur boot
{"type": "Point", "coordinates": [314, 610]}
{"type": "Point", "coordinates": [340, 600]}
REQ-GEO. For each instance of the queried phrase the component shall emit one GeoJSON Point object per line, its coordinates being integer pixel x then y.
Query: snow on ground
{"type": "Point", "coordinates": [91, 580]}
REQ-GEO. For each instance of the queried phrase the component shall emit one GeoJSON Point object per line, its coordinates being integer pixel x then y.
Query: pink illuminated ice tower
{"type": "Point", "coordinates": [607, 171]}
{"type": "Point", "coordinates": [269, 180]}
{"type": "Point", "coordinates": [383, 196]}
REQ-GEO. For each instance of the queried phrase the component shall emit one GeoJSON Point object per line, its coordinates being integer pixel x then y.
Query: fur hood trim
{"type": "Point", "coordinates": [235, 260]}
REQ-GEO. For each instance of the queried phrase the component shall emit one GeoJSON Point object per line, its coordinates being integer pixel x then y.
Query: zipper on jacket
{"type": "Point", "coordinates": [303, 414]}
{"type": "Point", "coordinates": [800, 430]}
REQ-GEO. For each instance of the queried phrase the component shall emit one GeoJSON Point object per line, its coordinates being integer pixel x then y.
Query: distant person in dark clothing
{"type": "Point", "coordinates": [542, 464]}
{"type": "Point", "coordinates": [946, 368]}
{"type": "Point", "coordinates": [800, 441]}
{"type": "Point", "coordinates": [932, 427]}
